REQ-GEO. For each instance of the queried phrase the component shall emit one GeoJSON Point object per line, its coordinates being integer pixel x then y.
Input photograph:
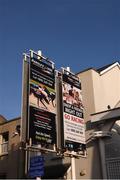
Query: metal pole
{"type": "Point", "coordinates": [73, 168]}
{"type": "Point", "coordinates": [26, 162]}
{"type": "Point", "coordinates": [38, 153]}
{"type": "Point", "coordinates": [38, 178]}
{"type": "Point", "coordinates": [102, 157]}
{"type": "Point", "coordinates": [24, 115]}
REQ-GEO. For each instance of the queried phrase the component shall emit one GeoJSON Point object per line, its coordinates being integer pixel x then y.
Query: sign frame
{"type": "Point", "coordinates": [75, 115]}
{"type": "Point", "coordinates": [44, 136]}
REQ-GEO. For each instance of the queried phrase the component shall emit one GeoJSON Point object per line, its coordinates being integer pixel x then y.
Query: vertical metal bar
{"type": "Point", "coordinates": [24, 108]}
{"type": "Point", "coordinates": [62, 108]}
{"type": "Point", "coordinates": [57, 111]}
{"type": "Point", "coordinates": [102, 157]}
{"type": "Point", "coordinates": [59, 101]}
{"type": "Point", "coordinates": [24, 117]}
{"type": "Point", "coordinates": [38, 154]}
{"type": "Point", "coordinates": [73, 168]}
{"type": "Point", "coordinates": [26, 162]}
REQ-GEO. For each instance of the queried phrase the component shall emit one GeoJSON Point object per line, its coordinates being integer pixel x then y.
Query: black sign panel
{"type": "Point", "coordinates": [42, 126]}
{"type": "Point", "coordinates": [42, 110]}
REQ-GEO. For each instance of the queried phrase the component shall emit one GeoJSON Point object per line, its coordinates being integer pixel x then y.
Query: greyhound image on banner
{"type": "Point", "coordinates": [42, 107]}
{"type": "Point", "coordinates": [73, 120]}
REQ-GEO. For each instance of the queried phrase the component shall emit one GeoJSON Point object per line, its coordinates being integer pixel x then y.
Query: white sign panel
{"type": "Point", "coordinates": [73, 120]}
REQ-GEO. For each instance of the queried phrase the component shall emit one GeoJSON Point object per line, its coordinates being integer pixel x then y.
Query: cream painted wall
{"type": "Point", "coordinates": [106, 89]}
{"type": "Point", "coordinates": [87, 93]}
{"type": "Point", "coordinates": [91, 164]}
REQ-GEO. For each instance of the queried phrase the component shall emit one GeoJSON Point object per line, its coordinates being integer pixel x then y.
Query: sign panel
{"type": "Point", "coordinates": [42, 110]}
{"type": "Point", "coordinates": [36, 166]}
{"type": "Point", "coordinates": [74, 129]}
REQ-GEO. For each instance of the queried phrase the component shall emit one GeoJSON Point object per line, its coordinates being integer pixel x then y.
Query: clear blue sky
{"type": "Point", "coordinates": [75, 33]}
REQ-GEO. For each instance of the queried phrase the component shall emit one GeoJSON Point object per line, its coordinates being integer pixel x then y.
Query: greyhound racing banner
{"type": "Point", "coordinates": [42, 111]}
{"type": "Point", "coordinates": [73, 120]}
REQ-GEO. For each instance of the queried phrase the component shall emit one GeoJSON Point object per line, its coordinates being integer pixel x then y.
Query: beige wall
{"type": "Point", "coordinates": [106, 89]}
{"type": "Point", "coordinates": [99, 91]}
{"type": "Point", "coordinates": [87, 93]}
{"type": "Point", "coordinates": [90, 164]}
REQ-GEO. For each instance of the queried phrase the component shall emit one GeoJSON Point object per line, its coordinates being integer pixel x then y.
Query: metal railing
{"type": "Point", "coordinates": [4, 147]}
{"type": "Point", "coordinates": [113, 168]}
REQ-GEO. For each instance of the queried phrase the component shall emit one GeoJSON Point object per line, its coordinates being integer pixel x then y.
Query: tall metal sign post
{"type": "Point", "coordinates": [24, 117]}
{"type": "Point", "coordinates": [51, 102]}
{"type": "Point", "coordinates": [42, 105]}
{"type": "Point", "coordinates": [38, 123]}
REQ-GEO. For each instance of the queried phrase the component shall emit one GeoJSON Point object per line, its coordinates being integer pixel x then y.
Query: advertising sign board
{"type": "Point", "coordinates": [42, 110]}
{"type": "Point", "coordinates": [73, 120]}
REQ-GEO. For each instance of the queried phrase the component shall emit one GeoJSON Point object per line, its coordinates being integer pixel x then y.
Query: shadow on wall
{"type": "Point", "coordinates": [92, 163]}
{"type": "Point", "coordinates": [105, 125]}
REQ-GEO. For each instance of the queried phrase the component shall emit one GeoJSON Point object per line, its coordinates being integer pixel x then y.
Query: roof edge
{"type": "Point", "coordinates": [86, 70]}
{"type": "Point", "coordinates": [110, 67]}
{"type": "Point", "coordinates": [9, 121]}
{"type": "Point", "coordinates": [108, 110]}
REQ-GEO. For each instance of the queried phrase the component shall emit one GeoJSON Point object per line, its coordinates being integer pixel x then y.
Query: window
{"type": "Point", "coordinates": [4, 143]}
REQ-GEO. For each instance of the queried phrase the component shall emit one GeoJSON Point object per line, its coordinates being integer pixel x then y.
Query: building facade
{"type": "Point", "coordinates": [101, 93]}
{"type": "Point", "coordinates": [101, 99]}
{"type": "Point", "coordinates": [9, 148]}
